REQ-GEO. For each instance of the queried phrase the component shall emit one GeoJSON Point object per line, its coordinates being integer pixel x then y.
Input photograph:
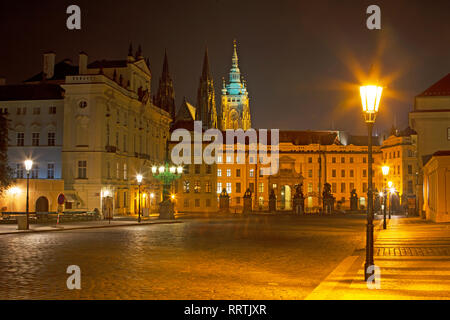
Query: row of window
{"type": "Point", "coordinates": [23, 110]}
{"type": "Point", "coordinates": [34, 174]}
{"type": "Point", "coordinates": [334, 160]}
{"type": "Point", "coordinates": [35, 139]}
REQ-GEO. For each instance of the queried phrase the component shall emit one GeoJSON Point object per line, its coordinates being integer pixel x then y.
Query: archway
{"type": "Point", "coordinates": [286, 198]}
{"type": "Point", "coordinates": [42, 204]}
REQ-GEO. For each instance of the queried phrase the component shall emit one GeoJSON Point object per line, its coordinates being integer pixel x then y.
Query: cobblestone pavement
{"type": "Point", "coordinates": [255, 257]}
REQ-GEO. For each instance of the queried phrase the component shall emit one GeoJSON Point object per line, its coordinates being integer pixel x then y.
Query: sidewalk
{"type": "Point", "coordinates": [414, 260]}
{"type": "Point", "coordinates": [116, 222]}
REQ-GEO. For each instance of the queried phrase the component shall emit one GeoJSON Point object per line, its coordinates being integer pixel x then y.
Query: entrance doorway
{"type": "Point", "coordinates": [286, 198]}
{"type": "Point", "coordinates": [42, 204]}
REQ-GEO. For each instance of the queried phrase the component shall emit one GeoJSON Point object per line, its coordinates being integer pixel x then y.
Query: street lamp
{"type": "Point", "coordinates": [139, 180]}
{"type": "Point", "coordinates": [390, 198]}
{"type": "Point", "coordinates": [385, 170]}
{"type": "Point", "coordinates": [28, 166]}
{"type": "Point", "coordinates": [370, 98]}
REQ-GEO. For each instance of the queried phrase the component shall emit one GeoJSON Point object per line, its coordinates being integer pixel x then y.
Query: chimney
{"type": "Point", "coordinates": [2, 81]}
{"type": "Point", "coordinates": [82, 63]}
{"type": "Point", "coordinates": [49, 64]}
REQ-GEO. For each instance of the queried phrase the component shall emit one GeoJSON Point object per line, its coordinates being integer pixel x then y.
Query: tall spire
{"type": "Point", "coordinates": [165, 96]}
{"type": "Point", "coordinates": [235, 73]}
{"type": "Point", "coordinates": [235, 56]}
{"type": "Point", "coordinates": [165, 72]}
{"type": "Point", "coordinates": [206, 73]}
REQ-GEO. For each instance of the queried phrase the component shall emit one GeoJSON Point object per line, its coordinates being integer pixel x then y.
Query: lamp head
{"type": "Point", "coordinates": [173, 169]}
{"type": "Point", "coordinates": [370, 98]}
{"type": "Point", "coordinates": [154, 169]}
{"type": "Point", "coordinates": [28, 164]}
{"type": "Point", "coordinates": [385, 170]}
{"type": "Point", "coordinates": [390, 184]}
{"type": "Point", "coordinates": [180, 170]}
{"type": "Point", "coordinates": [161, 169]}
{"type": "Point", "coordinates": [139, 178]}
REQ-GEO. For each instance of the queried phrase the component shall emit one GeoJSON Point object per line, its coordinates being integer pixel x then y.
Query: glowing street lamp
{"type": "Point", "coordinates": [385, 170]}
{"type": "Point", "coordinates": [28, 166]}
{"type": "Point", "coordinates": [370, 99]}
{"type": "Point", "coordinates": [139, 180]}
{"type": "Point", "coordinates": [167, 174]}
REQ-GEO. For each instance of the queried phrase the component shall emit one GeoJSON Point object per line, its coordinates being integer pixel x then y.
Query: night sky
{"type": "Point", "coordinates": [303, 60]}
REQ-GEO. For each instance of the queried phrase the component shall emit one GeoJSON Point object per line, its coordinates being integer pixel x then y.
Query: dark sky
{"type": "Point", "coordinates": [302, 59]}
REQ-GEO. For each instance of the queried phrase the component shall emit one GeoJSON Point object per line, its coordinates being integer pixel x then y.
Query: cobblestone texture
{"type": "Point", "coordinates": [256, 257]}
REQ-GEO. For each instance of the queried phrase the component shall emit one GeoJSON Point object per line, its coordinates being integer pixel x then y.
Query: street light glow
{"type": "Point", "coordinates": [180, 170]}
{"type": "Point", "coordinates": [173, 169]}
{"type": "Point", "coordinates": [28, 164]}
{"type": "Point", "coordinates": [390, 184]}
{"type": "Point", "coordinates": [152, 195]}
{"type": "Point", "coordinates": [14, 190]}
{"type": "Point", "coordinates": [139, 178]}
{"type": "Point", "coordinates": [385, 170]}
{"type": "Point", "coordinates": [154, 168]}
{"type": "Point", "coordinates": [161, 169]}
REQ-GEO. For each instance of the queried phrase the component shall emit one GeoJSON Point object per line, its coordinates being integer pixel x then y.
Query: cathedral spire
{"type": "Point", "coordinates": [165, 96]}
{"type": "Point", "coordinates": [235, 56]}
{"type": "Point", "coordinates": [165, 72]}
{"type": "Point", "coordinates": [206, 73]}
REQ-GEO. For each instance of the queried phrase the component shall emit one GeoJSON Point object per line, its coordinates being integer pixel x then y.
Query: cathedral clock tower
{"type": "Point", "coordinates": [235, 101]}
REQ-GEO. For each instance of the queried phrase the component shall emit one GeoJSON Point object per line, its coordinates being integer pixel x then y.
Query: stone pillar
{"type": "Point", "coordinates": [166, 210]}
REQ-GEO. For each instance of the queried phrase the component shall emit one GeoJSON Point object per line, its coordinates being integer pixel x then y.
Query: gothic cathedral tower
{"type": "Point", "coordinates": [235, 101]}
{"type": "Point", "coordinates": [165, 96]}
{"type": "Point", "coordinates": [206, 101]}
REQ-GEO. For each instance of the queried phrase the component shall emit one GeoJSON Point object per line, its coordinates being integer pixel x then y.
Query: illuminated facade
{"type": "Point", "coordinates": [89, 130]}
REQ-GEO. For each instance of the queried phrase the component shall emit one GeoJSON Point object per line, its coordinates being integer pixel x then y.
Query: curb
{"type": "Point", "coordinates": [90, 227]}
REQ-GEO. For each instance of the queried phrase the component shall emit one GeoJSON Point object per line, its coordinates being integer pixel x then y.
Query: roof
{"type": "Point", "coordinates": [309, 137]}
{"type": "Point", "coordinates": [440, 88]}
{"type": "Point", "coordinates": [62, 69]}
{"type": "Point", "coordinates": [186, 112]}
{"type": "Point", "coordinates": [40, 91]}
{"type": "Point", "coordinates": [363, 140]}
{"type": "Point", "coordinates": [107, 64]}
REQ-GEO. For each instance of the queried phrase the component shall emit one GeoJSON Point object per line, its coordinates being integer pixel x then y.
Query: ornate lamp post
{"type": "Point", "coordinates": [385, 170]}
{"type": "Point", "coordinates": [370, 98]}
{"type": "Point", "coordinates": [166, 175]}
{"type": "Point", "coordinates": [139, 180]}
{"type": "Point", "coordinates": [28, 166]}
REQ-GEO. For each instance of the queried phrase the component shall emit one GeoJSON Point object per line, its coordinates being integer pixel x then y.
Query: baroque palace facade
{"type": "Point", "coordinates": [310, 158]}
{"type": "Point", "coordinates": [91, 128]}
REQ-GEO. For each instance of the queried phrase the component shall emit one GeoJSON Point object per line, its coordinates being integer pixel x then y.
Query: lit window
{"type": "Point", "coordinates": [251, 172]}
{"type": "Point", "coordinates": [229, 187]}
{"type": "Point", "coordinates": [82, 169]}
{"type": "Point", "coordinates": [51, 138]}
{"type": "Point", "coordinates": [228, 172]}
{"type": "Point", "coordinates": [50, 171]}
{"type": "Point", "coordinates": [219, 187]}
{"type": "Point", "coordinates": [219, 172]}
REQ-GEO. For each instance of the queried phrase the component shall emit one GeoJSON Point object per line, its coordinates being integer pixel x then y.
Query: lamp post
{"type": "Point", "coordinates": [139, 180]}
{"type": "Point", "coordinates": [385, 170]}
{"type": "Point", "coordinates": [166, 175]}
{"type": "Point", "coordinates": [28, 166]}
{"type": "Point", "coordinates": [370, 98]}
{"type": "Point", "coordinates": [390, 197]}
